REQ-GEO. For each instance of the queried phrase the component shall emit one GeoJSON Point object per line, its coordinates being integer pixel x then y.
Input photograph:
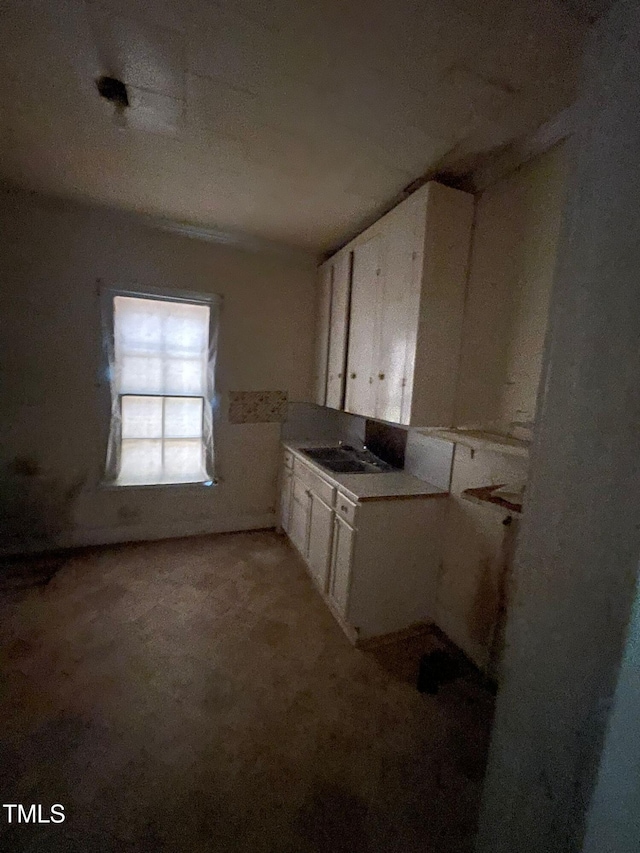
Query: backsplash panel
{"type": "Point", "coordinates": [309, 421]}
{"type": "Point", "coordinates": [429, 459]}
{"type": "Point", "coordinates": [257, 407]}
{"type": "Point", "coordinates": [387, 442]}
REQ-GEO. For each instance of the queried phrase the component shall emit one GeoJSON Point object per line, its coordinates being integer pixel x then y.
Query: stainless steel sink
{"type": "Point", "coordinates": [345, 459]}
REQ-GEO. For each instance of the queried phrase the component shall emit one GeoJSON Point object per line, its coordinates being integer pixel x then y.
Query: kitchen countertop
{"type": "Point", "coordinates": [484, 495]}
{"type": "Point", "coordinates": [368, 487]}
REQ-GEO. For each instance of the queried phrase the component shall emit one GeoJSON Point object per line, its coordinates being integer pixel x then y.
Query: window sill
{"type": "Point", "coordinates": [195, 485]}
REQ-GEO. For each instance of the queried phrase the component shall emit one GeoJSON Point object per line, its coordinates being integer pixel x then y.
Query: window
{"type": "Point", "coordinates": [161, 386]}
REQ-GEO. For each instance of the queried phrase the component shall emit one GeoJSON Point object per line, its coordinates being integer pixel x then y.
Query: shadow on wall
{"type": "Point", "coordinates": [36, 509]}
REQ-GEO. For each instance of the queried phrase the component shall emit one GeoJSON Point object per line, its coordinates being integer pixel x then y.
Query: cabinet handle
{"type": "Point", "coordinates": [353, 376]}
{"type": "Point", "coordinates": [381, 376]}
{"type": "Point", "coordinates": [343, 508]}
{"type": "Point", "coordinates": [339, 376]}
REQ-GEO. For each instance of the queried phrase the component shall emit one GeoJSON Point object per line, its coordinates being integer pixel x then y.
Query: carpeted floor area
{"type": "Point", "coordinates": [197, 695]}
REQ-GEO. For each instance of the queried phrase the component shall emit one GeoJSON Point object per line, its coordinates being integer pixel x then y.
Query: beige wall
{"type": "Point", "coordinates": [54, 397]}
{"type": "Point", "coordinates": [514, 249]}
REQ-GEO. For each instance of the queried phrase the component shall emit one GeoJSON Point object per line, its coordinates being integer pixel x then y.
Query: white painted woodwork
{"type": "Point", "coordinates": [286, 485]}
{"type": "Point", "coordinates": [299, 518]}
{"type": "Point", "coordinates": [475, 562]}
{"type": "Point", "coordinates": [363, 325]}
{"type": "Point", "coordinates": [341, 559]}
{"type": "Point", "coordinates": [397, 286]}
{"type": "Point", "coordinates": [395, 565]}
{"type": "Point", "coordinates": [435, 329]}
{"type": "Point", "coordinates": [346, 509]}
{"type": "Point", "coordinates": [376, 562]}
{"type": "Point", "coordinates": [407, 301]}
{"type": "Point", "coordinates": [320, 540]}
{"type": "Point", "coordinates": [337, 355]}
{"type": "Point", "coordinates": [323, 333]}
{"type": "Point", "coordinates": [323, 489]}
{"type": "Point", "coordinates": [516, 233]}
{"type": "Point", "coordinates": [482, 440]}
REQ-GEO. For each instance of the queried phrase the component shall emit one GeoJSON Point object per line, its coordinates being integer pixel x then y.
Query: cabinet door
{"type": "Point", "coordinates": [299, 523]}
{"type": "Point", "coordinates": [341, 291]}
{"type": "Point", "coordinates": [285, 499]}
{"type": "Point", "coordinates": [320, 538]}
{"type": "Point", "coordinates": [363, 326]}
{"type": "Point", "coordinates": [340, 576]}
{"type": "Point", "coordinates": [325, 289]}
{"type": "Point", "coordinates": [397, 284]}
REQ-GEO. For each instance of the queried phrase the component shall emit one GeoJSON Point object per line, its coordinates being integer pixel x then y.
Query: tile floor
{"type": "Point", "coordinates": [197, 695]}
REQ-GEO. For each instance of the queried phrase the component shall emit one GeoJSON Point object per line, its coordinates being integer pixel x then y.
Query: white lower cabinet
{"type": "Point", "coordinates": [375, 562]}
{"type": "Point", "coordinates": [299, 518]}
{"type": "Point", "coordinates": [319, 542]}
{"type": "Point", "coordinates": [286, 484]}
{"type": "Point", "coordinates": [341, 555]}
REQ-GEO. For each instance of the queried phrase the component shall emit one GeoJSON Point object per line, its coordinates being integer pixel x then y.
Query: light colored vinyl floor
{"type": "Point", "coordinates": [197, 695]}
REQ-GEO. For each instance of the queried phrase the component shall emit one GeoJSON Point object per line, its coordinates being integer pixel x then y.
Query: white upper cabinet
{"type": "Point", "coordinates": [363, 325]}
{"type": "Point", "coordinates": [408, 277]}
{"type": "Point", "coordinates": [397, 285]}
{"type": "Point", "coordinates": [331, 333]}
{"type": "Point", "coordinates": [436, 306]}
{"type": "Point", "coordinates": [341, 277]}
{"type": "Point", "coordinates": [322, 332]}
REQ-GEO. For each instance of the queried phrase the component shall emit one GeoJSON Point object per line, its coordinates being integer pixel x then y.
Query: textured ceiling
{"type": "Point", "coordinates": [288, 120]}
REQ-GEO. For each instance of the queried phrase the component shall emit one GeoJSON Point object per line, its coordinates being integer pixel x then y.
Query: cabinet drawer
{"type": "Point", "coordinates": [288, 459]}
{"type": "Point", "coordinates": [346, 509]}
{"type": "Point", "coordinates": [325, 491]}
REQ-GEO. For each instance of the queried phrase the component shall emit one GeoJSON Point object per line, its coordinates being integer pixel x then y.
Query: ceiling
{"type": "Point", "coordinates": [286, 120]}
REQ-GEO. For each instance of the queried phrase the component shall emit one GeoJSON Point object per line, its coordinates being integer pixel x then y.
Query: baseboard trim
{"type": "Point", "coordinates": [83, 537]}
{"type": "Point", "coordinates": [415, 630]}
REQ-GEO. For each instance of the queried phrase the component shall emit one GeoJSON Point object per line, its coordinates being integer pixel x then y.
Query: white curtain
{"type": "Point", "coordinates": [162, 358]}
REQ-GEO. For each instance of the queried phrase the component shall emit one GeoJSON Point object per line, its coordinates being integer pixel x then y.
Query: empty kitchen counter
{"type": "Point", "coordinates": [388, 485]}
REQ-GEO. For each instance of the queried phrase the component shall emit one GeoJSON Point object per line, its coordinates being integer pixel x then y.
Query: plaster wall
{"type": "Point", "coordinates": [54, 393]}
{"type": "Point", "coordinates": [577, 560]}
{"type": "Point", "coordinates": [613, 816]}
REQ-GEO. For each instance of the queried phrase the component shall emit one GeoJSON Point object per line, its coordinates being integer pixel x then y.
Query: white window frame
{"type": "Point", "coordinates": [209, 403]}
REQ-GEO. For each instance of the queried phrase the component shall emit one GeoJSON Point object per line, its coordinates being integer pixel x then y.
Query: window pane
{"type": "Point", "coordinates": [186, 330]}
{"type": "Point", "coordinates": [183, 417]}
{"type": "Point", "coordinates": [184, 461]}
{"type": "Point", "coordinates": [140, 375]}
{"type": "Point", "coordinates": [141, 417]}
{"type": "Point", "coordinates": [138, 325]}
{"type": "Point", "coordinates": [184, 376]}
{"type": "Point", "coordinates": [161, 374]}
{"type": "Point", "coordinates": [140, 462]}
